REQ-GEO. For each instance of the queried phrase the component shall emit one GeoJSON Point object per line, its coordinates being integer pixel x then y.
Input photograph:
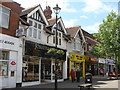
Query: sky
{"type": "Point", "coordinates": [89, 14]}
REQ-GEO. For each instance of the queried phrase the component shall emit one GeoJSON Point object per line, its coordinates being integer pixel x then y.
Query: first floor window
{"type": "Point", "coordinates": [60, 41]}
{"type": "Point", "coordinates": [35, 33]}
{"type": "Point", "coordinates": [30, 32]}
{"type": "Point", "coordinates": [4, 15]}
{"type": "Point", "coordinates": [53, 39]}
{"type": "Point", "coordinates": [39, 34]}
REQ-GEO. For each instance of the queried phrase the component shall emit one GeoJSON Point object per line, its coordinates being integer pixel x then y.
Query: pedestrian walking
{"type": "Point", "coordinates": [101, 71]}
{"type": "Point", "coordinates": [72, 74]}
{"type": "Point", "coordinates": [78, 75]}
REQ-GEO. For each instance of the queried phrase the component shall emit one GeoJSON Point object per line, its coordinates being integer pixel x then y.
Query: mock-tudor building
{"type": "Point", "coordinates": [10, 49]}
{"type": "Point", "coordinates": [75, 50]}
{"type": "Point", "coordinates": [92, 62]}
{"type": "Point", "coordinates": [38, 37]}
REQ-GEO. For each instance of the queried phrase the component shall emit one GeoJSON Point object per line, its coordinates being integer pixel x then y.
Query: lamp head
{"type": "Point", "coordinates": [56, 9]}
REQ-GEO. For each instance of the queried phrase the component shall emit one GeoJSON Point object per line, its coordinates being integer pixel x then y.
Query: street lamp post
{"type": "Point", "coordinates": [56, 10]}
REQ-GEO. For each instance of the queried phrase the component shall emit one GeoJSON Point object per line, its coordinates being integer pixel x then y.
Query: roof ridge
{"type": "Point", "coordinates": [73, 27]}
{"type": "Point", "coordinates": [53, 18]}
{"type": "Point", "coordinates": [31, 7]}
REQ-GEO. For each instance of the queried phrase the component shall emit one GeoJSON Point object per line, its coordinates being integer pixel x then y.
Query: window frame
{"type": "Point", "coordinates": [3, 14]}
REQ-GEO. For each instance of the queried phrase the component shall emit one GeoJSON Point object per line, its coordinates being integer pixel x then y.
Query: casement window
{"type": "Point", "coordinates": [35, 33]}
{"type": "Point", "coordinates": [30, 32]}
{"type": "Point", "coordinates": [39, 26]}
{"type": "Point", "coordinates": [4, 56]}
{"type": "Point", "coordinates": [35, 25]}
{"type": "Point", "coordinates": [4, 15]}
{"type": "Point", "coordinates": [34, 29]}
{"type": "Point", "coordinates": [30, 22]}
{"type": "Point", "coordinates": [59, 38]}
{"type": "Point", "coordinates": [39, 34]}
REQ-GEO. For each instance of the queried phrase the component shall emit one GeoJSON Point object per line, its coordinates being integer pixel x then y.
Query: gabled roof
{"type": "Point", "coordinates": [52, 21]}
{"type": "Point", "coordinates": [90, 38]}
{"type": "Point", "coordinates": [73, 30]}
{"type": "Point", "coordinates": [27, 11]}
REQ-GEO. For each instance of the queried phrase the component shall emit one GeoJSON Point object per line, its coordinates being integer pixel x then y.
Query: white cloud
{"type": "Point", "coordinates": [97, 6]}
{"type": "Point", "coordinates": [70, 22]}
{"type": "Point", "coordinates": [64, 4]}
{"type": "Point", "coordinates": [85, 17]}
{"type": "Point", "coordinates": [93, 28]}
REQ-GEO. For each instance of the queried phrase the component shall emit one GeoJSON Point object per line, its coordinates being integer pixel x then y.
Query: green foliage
{"type": "Point", "coordinates": [55, 53]}
{"type": "Point", "coordinates": [108, 35]}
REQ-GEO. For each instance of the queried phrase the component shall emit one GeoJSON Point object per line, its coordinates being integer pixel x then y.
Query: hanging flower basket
{"type": "Point", "coordinates": [55, 53]}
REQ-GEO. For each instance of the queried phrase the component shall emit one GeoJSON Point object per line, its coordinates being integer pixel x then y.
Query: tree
{"type": "Point", "coordinates": [109, 36]}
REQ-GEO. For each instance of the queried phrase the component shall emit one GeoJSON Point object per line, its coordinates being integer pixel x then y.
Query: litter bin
{"type": "Point", "coordinates": [88, 78]}
{"type": "Point", "coordinates": [18, 85]}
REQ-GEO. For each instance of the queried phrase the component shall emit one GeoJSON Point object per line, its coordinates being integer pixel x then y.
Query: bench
{"type": "Point", "coordinates": [86, 85]}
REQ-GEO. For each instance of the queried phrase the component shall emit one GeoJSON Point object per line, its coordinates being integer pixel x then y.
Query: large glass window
{"type": "Point", "coordinates": [4, 15]}
{"type": "Point", "coordinates": [30, 68]}
{"type": "Point", "coordinates": [4, 63]}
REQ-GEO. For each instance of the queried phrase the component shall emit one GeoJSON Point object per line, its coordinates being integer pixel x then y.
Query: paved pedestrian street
{"type": "Point", "coordinates": [99, 82]}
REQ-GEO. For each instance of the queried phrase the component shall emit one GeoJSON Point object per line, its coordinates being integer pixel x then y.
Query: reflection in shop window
{"type": "Point", "coordinates": [4, 63]}
{"type": "Point", "coordinates": [30, 68]}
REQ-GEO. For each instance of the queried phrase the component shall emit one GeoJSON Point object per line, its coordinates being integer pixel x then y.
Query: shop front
{"type": "Point", "coordinates": [110, 65]}
{"type": "Point", "coordinates": [101, 66]}
{"type": "Point", "coordinates": [77, 62]}
{"type": "Point", "coordinates": [38, 66]}
{"type": "Point", "coordinates": [10, 61]}
{"type": "Point", "coordinates": [92, 66]}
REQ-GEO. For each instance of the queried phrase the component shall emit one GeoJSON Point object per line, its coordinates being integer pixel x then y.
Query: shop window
{"type": "Point", "coordinates": [4, 63]}
{"type": "Point", "coordinates": [30, 68]}
{"type": "Point", "coordinates": [4, 15]}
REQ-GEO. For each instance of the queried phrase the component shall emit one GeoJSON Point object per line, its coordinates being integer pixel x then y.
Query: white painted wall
{"type": "Point", "coordinates": [15, 54]}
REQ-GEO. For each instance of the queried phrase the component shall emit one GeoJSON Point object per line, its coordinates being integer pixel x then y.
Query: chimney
{"type": "Point", "coordinates": [48, 12]}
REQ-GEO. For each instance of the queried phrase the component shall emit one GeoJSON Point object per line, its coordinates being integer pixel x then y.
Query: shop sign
{"type": "Point", "coordinates": [92, 59]}
{"type": "Point", "coordinates": [76, 57]}
{"type": "Point", "coordinates": [102, 60]}
{"type": "Point", "coordinates": [110, 62]}
{"type": "Point", "coordinates": [13, 63]}
{"type": "Point", "coordinates": [6, 42]}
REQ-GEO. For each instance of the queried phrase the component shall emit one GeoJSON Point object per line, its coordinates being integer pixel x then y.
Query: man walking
{"type": "Point", "coordinates": [78, 75]}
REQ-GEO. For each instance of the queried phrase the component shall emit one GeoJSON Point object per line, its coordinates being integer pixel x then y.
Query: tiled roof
{"type": "Point", "coordinates": [52, 21]}
{"type": "Point", "coordinates": [26, 11]}
{"type": "Point", "coordinates": [72, 30]}
{"type": "Point", "coordinates": [90, 38]}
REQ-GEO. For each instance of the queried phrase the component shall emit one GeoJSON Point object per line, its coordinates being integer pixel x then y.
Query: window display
{"type": "Point", "coordinates": [4, 63]}
{"type": "Point", "coordinates": [30, 68]}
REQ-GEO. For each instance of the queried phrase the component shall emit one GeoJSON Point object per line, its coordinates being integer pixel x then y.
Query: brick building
{"type": "Point", "coordinates": [10, 49]}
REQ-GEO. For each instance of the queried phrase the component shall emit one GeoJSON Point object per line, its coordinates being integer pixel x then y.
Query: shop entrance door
{"type": "Point", "coordinates": [42, 72]}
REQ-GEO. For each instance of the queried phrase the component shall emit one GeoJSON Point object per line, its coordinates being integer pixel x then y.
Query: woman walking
{"type": "Point", "coordinates": [72, 74]}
